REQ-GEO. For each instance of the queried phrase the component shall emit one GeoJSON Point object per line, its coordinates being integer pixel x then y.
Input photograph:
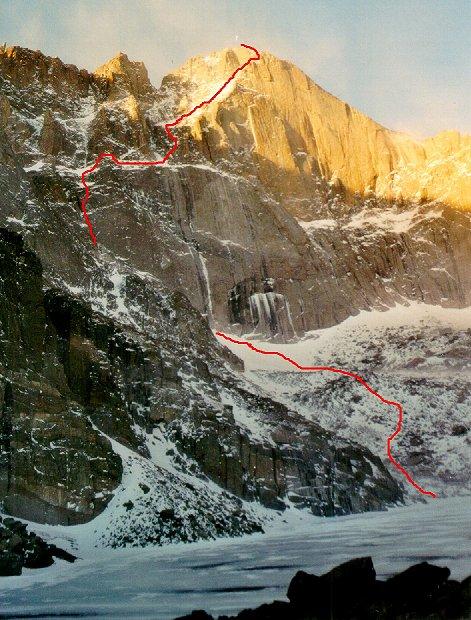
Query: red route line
{"type": "Point", "coordinates": [167, 155]}
{"type": "Point", "coordinates": [159, 162]}
{"type": "Point", "coordinates": [346, 373]}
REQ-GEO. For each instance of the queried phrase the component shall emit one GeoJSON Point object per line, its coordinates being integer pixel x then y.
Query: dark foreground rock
{"type": "Point", "coordinates": [20, 548]}
{"type": "Point", "coordinates": [351, 591]}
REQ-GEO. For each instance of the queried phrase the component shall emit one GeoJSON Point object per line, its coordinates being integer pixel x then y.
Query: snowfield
{"type": "Point", "coordinates": [227, 575]}
{"type": "Point", "coordinates": [350, 336]}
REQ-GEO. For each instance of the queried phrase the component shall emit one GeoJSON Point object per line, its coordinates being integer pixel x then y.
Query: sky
{"type": "Point", "coordinates": [407, 64]}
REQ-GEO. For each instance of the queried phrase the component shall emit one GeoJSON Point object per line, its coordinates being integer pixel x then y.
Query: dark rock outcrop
{"type": "Point", "coordinates": [22, 549]}
{"type": "Point", "coordinates": [355, 580]}
{"type": "Point", "coordinates": [351, 592]}
{"type": "Point", "coordinates": [53, 463]}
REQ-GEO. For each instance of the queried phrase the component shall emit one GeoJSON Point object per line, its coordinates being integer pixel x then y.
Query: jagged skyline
{"type": "Point", "coordinates": [357, 52]}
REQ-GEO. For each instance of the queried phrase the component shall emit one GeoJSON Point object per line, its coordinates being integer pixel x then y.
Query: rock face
{"type": "Point", "coordinates": [124, 76]}
{"type": "Point", "coordinates": [72, 378]}
{"type": "Point", "coordinates": [297, 134]}
{"type": "Point", "coordinates": [107, 359]}
{"type": "Point", "coordinates": [283, 210]}
{"type": "Point", "coordinates": [54, 465]}
{"type": "Point", "coordinates": [352, 592]}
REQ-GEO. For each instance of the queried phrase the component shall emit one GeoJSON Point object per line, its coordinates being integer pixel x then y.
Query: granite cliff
{"type": "Point", "coordinates": [297, 134]}
{"type": "Point", "coordinates": [284, 210]}
{"type": "Point", "coordinates": [278, 214]}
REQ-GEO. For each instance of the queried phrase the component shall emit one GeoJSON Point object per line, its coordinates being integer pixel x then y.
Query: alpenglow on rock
{"type": "Point", "coordinates": [297, 132]}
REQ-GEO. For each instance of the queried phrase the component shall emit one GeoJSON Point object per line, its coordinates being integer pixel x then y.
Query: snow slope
{"type": "Point", "coordinates": [418, 355]}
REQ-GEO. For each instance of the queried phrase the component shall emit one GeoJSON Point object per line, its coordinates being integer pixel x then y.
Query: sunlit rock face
{"type": "Point", "coordinates": [124, 76]}
{"type": "Point", "coordinates": [296, 132]}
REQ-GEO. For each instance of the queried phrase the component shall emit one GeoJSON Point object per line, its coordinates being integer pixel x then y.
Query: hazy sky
{"type": "Point", "coordinates": [406, 63]}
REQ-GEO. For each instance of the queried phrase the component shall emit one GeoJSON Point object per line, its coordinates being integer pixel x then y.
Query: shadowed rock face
{"type": "Point", "coordinates": [53, 462]}
{"type": "Point", "coordinates": [71, 378]}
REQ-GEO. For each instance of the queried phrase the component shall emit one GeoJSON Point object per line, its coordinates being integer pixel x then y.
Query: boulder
{"type": "Point", "coordinates": [345, 586]}
{"type": "Point", "coordinates": [10, 563]}
{"type": "Point", "coordinates": [418, 580]}
{"type": "Point", "coordinates": [351, 591]}
{"type": "Point", "coordinates": [20, 548]}
{"type": "Point", "coordinates": [303, 589]}
{"type": "Point", "coordinates": [197, 614]}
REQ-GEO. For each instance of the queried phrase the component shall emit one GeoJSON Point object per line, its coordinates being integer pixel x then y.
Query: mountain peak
{"type": "Point", "coordinates": [295, 131]}
{"type": "Point", "coordinates": [121, 72]}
